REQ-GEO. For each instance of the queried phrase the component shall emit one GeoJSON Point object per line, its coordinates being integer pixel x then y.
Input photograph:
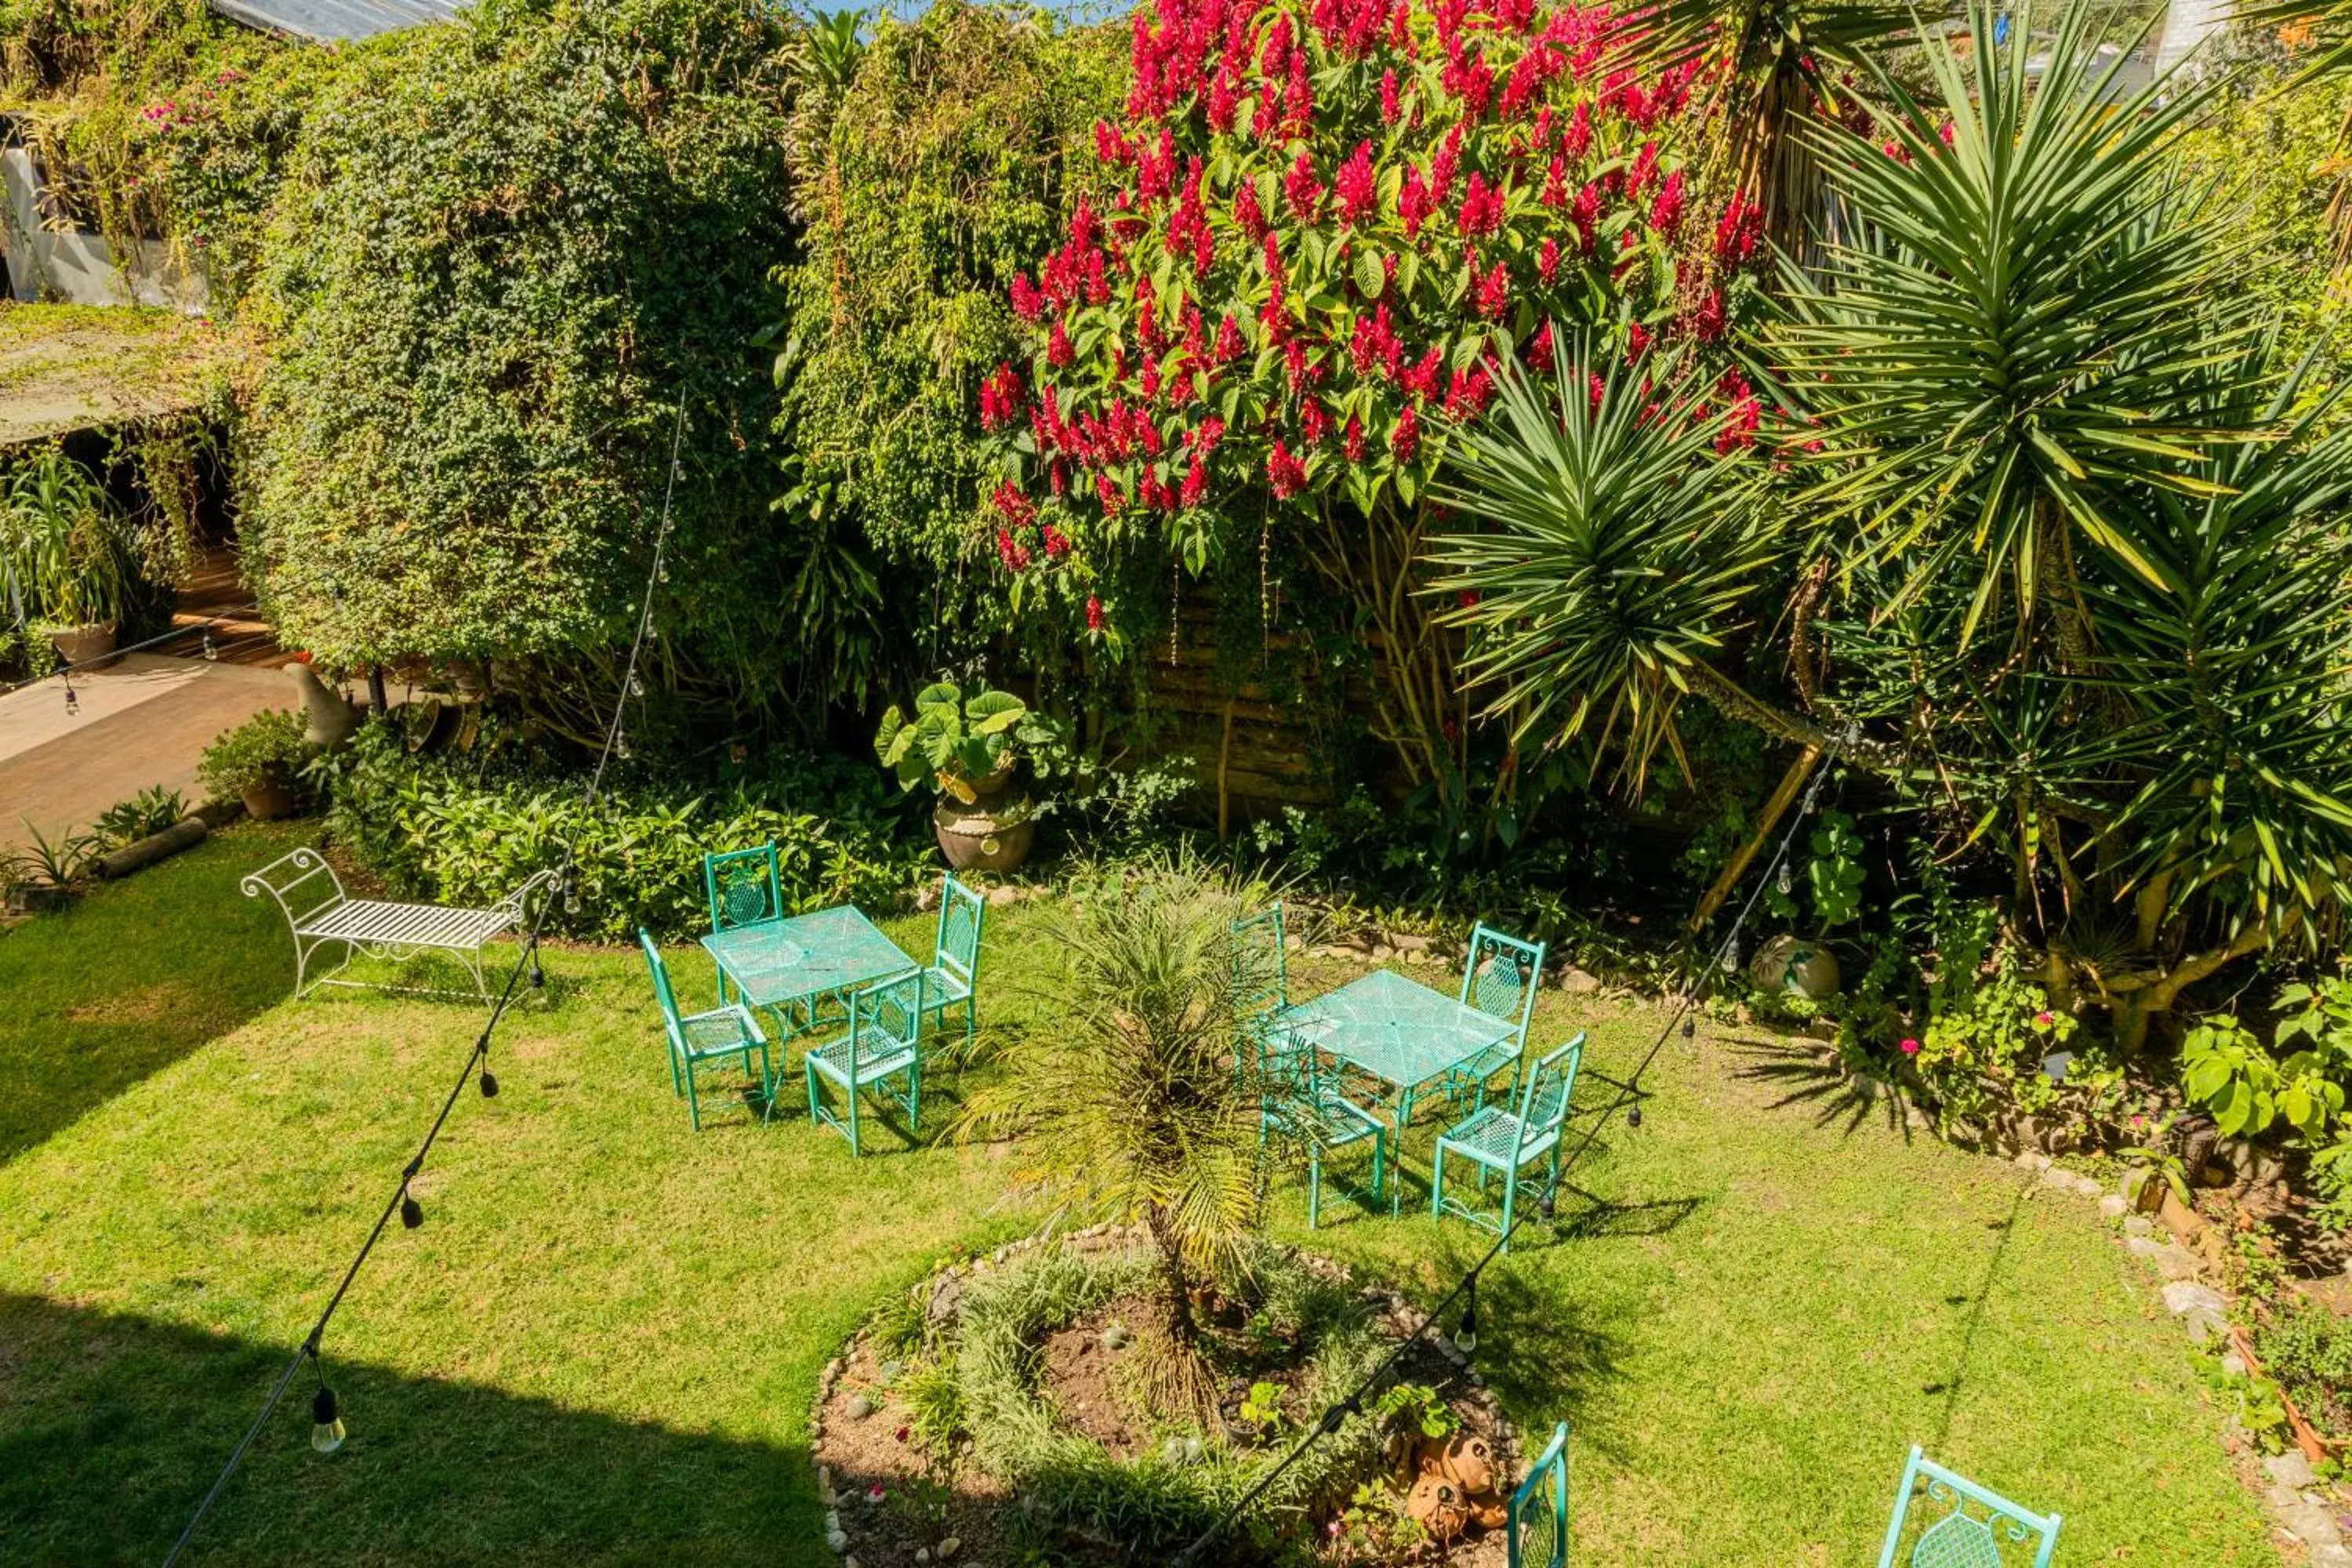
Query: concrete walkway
{"type": "Point", "coordinates": [143, 722]}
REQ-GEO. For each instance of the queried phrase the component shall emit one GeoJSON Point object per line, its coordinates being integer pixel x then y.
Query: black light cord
{"type": "Point", "coordinates": [66, 667]}
{"type": "Point", "coordinates": [402, 1202]}
{"type": "Point", "coordinates": [1467, 1285]}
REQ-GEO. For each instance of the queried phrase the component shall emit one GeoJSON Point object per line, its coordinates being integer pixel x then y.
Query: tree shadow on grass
{"type": "Point", "coordinates": [1809, 1075]}
{"type": "Point", "coordinates": [112, 1426]}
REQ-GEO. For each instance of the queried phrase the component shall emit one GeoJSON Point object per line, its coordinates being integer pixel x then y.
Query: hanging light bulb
{"type": "Point", "coordinates": [621, 745]}
{"type": "Point", "coordinates": [661, 569]}
{"type": "Point", "coordinates": [571, 898]}
{"type": "Point", "coordinates": [1690, 1026]}
{"type": "Point", "coordinates": [636, 686]}
{"type": "Point", "coordinates": [1633, 1114]}
{"type": "Point", "coordinates": [489, 1084]}
{"type": "Point", "coordinates": [412, 1213]}
{"type": "Point", "coordinates": [538, 976]}
{"type": "Point", "coordinates": [1549, 1205]}
{"type": "Point", "coordinates": [211, 653]}
{"type": "Point", "coordinates": [1787, 882]}
{"type": "Point", "coordinates": [73, 704]}
{"type": "Point", "coordinates": [1465, 1337]}
{"type": "Point", "coordinates": [326, 1421]}
{"type": "Point", "coordinates": [1731, 954]}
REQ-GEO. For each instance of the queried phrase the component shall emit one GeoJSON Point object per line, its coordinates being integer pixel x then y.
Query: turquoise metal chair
{"type": "Point", "coordinates": [1500, 978]}
{"type": "Point", "coordinates": [1506, 1142]}
{"type": "Point", "coordinates": [1261, 966]}
{"type": "Point", "coordinates": [884, 1042]}
{"type": "Point", "coordinates": [745, 888]}
{"type": "Point", "coordinates": [727, 1030]}
{"type": "Point", "coordinates": [1537, 1532]}
{"type": "Point", "coordinates": [1955, 1537]}
{"type": "Point", "coordinates": [1298, 1104]}
{"type": "Point", "coordinates": [952, 976]}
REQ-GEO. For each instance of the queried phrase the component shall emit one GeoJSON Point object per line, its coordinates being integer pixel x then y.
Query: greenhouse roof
{"type": "Point", "coordinates": [328, 20]}
{"type": "Point", "coordinates": [73, 367]}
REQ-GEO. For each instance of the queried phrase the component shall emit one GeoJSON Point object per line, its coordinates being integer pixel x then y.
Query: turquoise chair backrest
{"type": "Point", "coordinates": [745, 887]}
{"type": "Point", "coordinates": [1286, 1063]}
{"type": "Point", "coordinates": [1261, 964]}
{"type": "Point", "coordinates": [957, 947]}
{"type": "Point", "coordinates": [661, 983]}
{"type": "Point", "coordinates": [1544, 1097]}
{"type": "Point", "coordinates": [1500, 977]}
{"type": "Point", "coordinates": [886, 1019]}
{"type": "Point", "coordinates": [1964, 1525]}
{"type": "Point", "coordinates": [1538, 1529]}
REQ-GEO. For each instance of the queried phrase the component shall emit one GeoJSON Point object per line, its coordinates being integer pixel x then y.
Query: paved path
{"type": "Point", "coordinates": [145, 721]}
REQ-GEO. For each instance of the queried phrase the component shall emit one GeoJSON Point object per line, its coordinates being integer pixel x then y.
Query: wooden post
{"type": "Point", "coordinates": [1774, 809]}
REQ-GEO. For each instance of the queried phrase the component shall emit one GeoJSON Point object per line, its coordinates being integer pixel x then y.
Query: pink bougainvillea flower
{"type": "Point", "coordinates": [2045, 1017]}
{"type": "Point", "coordinates": [1910, 1047]}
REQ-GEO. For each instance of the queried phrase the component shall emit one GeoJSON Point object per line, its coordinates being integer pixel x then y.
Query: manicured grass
{"type": "Point", "coordinates": [604, 1342]}
{"type": "Point", "coordinates": [98, 995]}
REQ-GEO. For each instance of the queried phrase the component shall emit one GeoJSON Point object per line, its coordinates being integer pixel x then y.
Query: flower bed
{"type": "Point", "coordinates": [990, 1414]}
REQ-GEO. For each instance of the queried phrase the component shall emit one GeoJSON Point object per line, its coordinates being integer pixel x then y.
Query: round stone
{"type": "Point", "coordinates": [860, 1407]}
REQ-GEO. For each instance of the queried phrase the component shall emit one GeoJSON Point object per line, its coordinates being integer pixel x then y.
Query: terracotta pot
{"type": "Point", "coordinates": [268, 799]}
{"type": "Point", "coordinates": [88, 647]}
{"type": "Point", "coordinates": [993, 834]}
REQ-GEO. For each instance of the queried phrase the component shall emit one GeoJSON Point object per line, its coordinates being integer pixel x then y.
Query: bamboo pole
{"type": "Point", "coordinates": [1774, 809]}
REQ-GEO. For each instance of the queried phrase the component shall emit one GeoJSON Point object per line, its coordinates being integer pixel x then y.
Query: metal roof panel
{"type": "Point", "coordinates": [328, 20]}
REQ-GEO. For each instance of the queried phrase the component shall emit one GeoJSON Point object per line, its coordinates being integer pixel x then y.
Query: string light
{"type": "Point", "coordinates": [212, 654]}
{"type": "Point", "coordinates": [1787, 882]}
{"type": "Point", "coordinates": [1466, 1336]}
{"type": "Point", "coordinates": [636, 686]}
{"type": "Point", "coordinates": [326, 1420]}
{"type": "Point", "coordinates": [1731, 954]}
{"type": "Point", "coordinates": [327, 1432]}
{"type": "Point", "coordinates": [73, 704]}
{"type": "Point", "coordinates": [621, 745]}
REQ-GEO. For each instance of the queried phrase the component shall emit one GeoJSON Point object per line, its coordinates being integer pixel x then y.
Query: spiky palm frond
{"type": "Point", "coordinates": [2230, 653]}
{"type": "Point", "coordinates": [2002, 359]}
{"type": "Point", "coordinates": [1615, 552]}
{"type": "Point", "coordinates": [1130, 1105]}
{"type": "Point", "coordinates": [1766, 67]}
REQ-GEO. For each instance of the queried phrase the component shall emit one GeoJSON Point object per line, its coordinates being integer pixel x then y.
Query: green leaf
{"type": "Point", "coordinates": [1371, 277]}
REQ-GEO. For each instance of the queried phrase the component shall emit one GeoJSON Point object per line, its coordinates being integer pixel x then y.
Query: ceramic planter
{"type": "Point", "coordinates": [90, 646]}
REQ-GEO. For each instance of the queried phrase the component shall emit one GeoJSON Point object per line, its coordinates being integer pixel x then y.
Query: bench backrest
{"type": "Point", "coordinates": [303, 885]}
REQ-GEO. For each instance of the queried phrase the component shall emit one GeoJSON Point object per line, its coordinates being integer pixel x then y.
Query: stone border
{"type": "Point", "coordinates": [2301, 1505]}
{"type": "Point", "coordinates": [944, 1286]}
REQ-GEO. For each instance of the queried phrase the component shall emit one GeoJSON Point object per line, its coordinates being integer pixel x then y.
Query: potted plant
{"type": "Point", "coordinates": [257, 764]}
{"type": "Point", "coordinates": [64, 552]}
{"type": "Point", "coordinates": [968, 740]}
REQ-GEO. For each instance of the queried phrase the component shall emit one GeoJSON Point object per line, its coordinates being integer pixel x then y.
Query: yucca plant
{"type": "Point", "coordinates": [1996, 363]}
{"type": "Point", "coordinates": [1619, 554]}
{"type": "Point", "coordinates": [2065, 547]}
{"type": "Point", "coordinates": [1129, 1103]}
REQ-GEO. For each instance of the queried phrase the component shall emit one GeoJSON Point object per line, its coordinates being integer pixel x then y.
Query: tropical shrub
{"type": "Point", "coordinates": [500, 258]}
{"type": "Point", "coordinates": [267, 749]}
{"type": "Point", "coordinates": [459, 831]}
{"type": "Point", "coordinates": [1327, 228]}
{"type": "Point", "coordinates": [2000, 1049]}
{"type": "Point", "coordinates": [959, 737]}
{"type": "Point", "coordinates": [67, 557]}
{"type": "Point", "coordinates": [928, 175]}
{"type": "Point", "coordinates": [151, 811]}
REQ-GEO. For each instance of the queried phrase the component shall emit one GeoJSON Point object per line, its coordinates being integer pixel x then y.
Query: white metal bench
{"type": "Point", "coordinates": [320, 913]}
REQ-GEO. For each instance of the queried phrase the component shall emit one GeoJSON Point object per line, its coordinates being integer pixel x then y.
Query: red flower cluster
{"type": "Point", "coordinates": [1226, 156]}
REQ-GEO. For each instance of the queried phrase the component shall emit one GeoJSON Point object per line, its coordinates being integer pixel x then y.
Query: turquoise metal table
{"type": "Point", "coordinates": [1396, 1030]}
{"type": "Point", "coordinates": [799, 963]}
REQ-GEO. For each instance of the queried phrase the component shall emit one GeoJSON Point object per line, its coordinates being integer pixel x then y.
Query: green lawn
{"type": "Point", "coordinates": [603, 1343]}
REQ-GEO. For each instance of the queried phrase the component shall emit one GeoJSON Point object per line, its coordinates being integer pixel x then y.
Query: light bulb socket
{"type": "Point", "coordinates": [538, 976]}
{"type": "Point", "coordinates": [1632, 1116]}
{"type": "Point", "coordinates": [1690, 1027]}
{"type": "Point", "coordinates": [1549, 1205]}
{"type": "Point", "coordinates": [412, 1213]}
{"type": "Point", "coordinates": [323, 1410]}
{"type": "Point", "coordinates": [489, 1084]}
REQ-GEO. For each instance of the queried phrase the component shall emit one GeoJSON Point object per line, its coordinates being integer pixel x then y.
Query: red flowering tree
{"type": "Point", "coordinates": [1321, 226]}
